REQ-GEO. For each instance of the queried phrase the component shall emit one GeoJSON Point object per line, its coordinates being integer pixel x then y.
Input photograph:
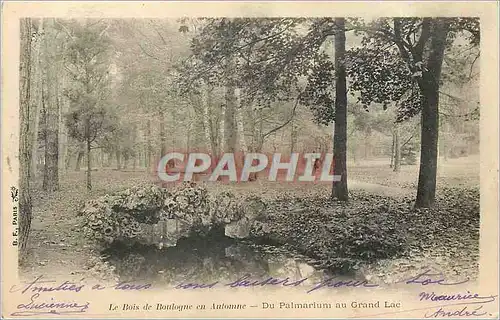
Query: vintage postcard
{"type": "Point", "coordinates": [218, 159]}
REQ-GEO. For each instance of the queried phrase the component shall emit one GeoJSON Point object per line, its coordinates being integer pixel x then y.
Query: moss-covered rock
{"type": "Point", "coordinates": [155, 215]}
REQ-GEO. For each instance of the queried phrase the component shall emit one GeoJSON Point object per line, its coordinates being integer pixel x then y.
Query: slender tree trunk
{"type": "Point", "coordinates": [260, 136]}
{"type": "Point", "coordinates": [293, 137]}
{"type": "Point", "coordinates": [206, 120]}
{"type": "Point", "coordinates": [89, 167]}
{"type": "Point", "coordinates": [188, 138]}
{"type": "Point", "coordinates": [257, 138]}
{"type": "Point", "coordinates": [63, 137]}
{"type": "Point", "coordinates": [89, 164]}
{"type": "Point", "coordinates": [109, 159]}
{"type": "Point", "coordinates": [339, 190]}
{"type": "Point", "coordinates": [239, 121]}
{"type": "Point", "coordinates": [163, 135]}
{"type": "Point", "coordinates": [42, 125]}
{"type": "Point", "coordinates": [392, 148]}
{"type": "Point", "coordinates": [79, 158]}
{"type": "Point", "coordinates": [133, 149]}
{"type": "Point", "coordinates": [397, 149]}
{"type": "Point", "coordinates": [67, 161]}
{"type": "Point", "coordinates": [210, 137]}
{"type": "Point", "coordinates": [51, 165]}
{"type": "Point", "coordinates": [222, 127]}
{"type": "Point", "coordinates": [149, 149]}
{"type": "Point", "coordinates": [26, 140]}
{"type": "Point", "coordinates": [210, 145]}
{"type": "Point", "coordinates": [37, 93]}
{"type": "Point", "coordinates": [426, 191]}
{"type": "Point", "coordinates": [230, 120]}
{"type": "Point", "coordinates": [126, 159]}
{"type": "Point", "coordinates": [118, 155]}
{"type": "Point", "coordinates": [367, 144]}
{"type": "Point", "coordinates": [240, 127]}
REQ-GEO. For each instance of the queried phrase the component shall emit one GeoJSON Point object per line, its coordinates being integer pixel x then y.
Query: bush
{"type": "Point", "coordinates": [342, 235]}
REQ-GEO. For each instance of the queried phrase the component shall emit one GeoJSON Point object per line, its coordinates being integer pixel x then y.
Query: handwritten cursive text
{"type": "Point", "coordinates": [35, 307]}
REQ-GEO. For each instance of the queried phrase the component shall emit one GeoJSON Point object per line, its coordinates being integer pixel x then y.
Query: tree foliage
{"type": "Point", "coordinates": [87, 61]}
{"type": "Point", "coordinates": [389, 65]}
{"type": "Point", "coordinates": [277, 59]}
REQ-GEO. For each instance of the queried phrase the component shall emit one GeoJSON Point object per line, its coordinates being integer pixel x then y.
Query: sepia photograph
{"type": "Point", "coordinates": [217, 155]}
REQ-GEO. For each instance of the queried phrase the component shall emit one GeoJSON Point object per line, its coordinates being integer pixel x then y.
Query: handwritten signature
{"type": "Point", "coordinates": [40, 286]}
{"type": "Point", "coordinates": [465, 309]}
{"type": "Point", "coordinates": [34, 307]}
{"type": "Point", "coordinates": [463, 312]}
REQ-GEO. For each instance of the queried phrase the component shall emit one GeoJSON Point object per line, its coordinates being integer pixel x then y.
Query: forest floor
{"type": "Point", "coordinates": [445, 238]}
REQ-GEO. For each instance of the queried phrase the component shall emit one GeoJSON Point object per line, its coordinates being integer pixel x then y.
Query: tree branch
{"type": "Point", "coordinates": [287, 121]}
{"type": "Point", "coordinates": [409, 139]}
{"type": "Point", "coordinates": [424, 36]}
{"type": "Point", "coordinates": [64, 28]}
{"type": "Point", "coordinates": [159, 34]}
{"type": "Point", "coordinates": [472, 64]}
{"type": "Point", "coordinates": [147, 53]}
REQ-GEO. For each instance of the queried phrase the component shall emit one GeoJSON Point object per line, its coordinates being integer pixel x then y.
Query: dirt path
{"type": "Point", "coordinates": [379, 189]}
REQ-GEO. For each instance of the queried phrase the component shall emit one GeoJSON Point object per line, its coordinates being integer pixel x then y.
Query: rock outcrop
{"type": "Point", "coordinates": [159, 216]}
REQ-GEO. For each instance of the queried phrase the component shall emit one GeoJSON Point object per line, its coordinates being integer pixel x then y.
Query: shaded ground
{"type": "Point", "coordinates": [445, 237]}
{"type": "Point", "coordinates": [382, 238]}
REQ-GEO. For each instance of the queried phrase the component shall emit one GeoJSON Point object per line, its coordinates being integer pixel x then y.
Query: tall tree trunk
{"type": "Point", "coordinates": [189, 133]}
{"type": "Point", "coordinates": [240, 124]}
{"type": "Point", "coordinates": [222, 128]}
{"type": "Point", "coordinates": [134, 151]}
{"type": "Point", "coordinates": [163, 135]}
{"type": "Point", "coordinates": [36, 86]}
{"type": "Point", "coordinates": [205, 117]}
{"type": "Point", "coordinates": [102, 158]}
{"type": "Point", "coordinates": [339, 190]}
{"type": "Point", "coordinates": [118, 155]}
{"type": "Point", "coordinates": [26, 114]}
{"type": "Point", "coordinates": [148, 152]}
{"type": "Point", "coordinates": [368, 144]}
{"type": "Point", "coordinates": [293, 137]}
{"type": "Point", "coordinates": [89, 164]}
{"type": "Point", "coordinates": [126, 159]}
{"type": "Point", "coordinates": [210, 146]}
{"type": "Point", "coordinates": [67, 161]}
{"type": "Point", "coordinates": [240, 127]}
{"type": "Point", "coordinates": [210, 137]}
{"type": "Point", "coordinates": [51, 135]}
{"type": "Point", "coordinates": [392, 148]}
{"type": "Point", "coordinates": [79, 159]}
{"type": "Point", "coordinates": [230, 120]}
{"type": "Point", "coordinates": [397, 149]}
{"type": "Point", "coordinates": [42, 125]}
{"type": "Point", "coordinates": [63, 135]}
{"type": "Point", "coordinates": [426, 191]}
{"type": "Point", "coordinates": [257, 137]}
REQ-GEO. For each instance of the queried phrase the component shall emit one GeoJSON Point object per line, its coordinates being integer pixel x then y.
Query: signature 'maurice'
{"type": "Point", "coordinates": [466, 302]}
